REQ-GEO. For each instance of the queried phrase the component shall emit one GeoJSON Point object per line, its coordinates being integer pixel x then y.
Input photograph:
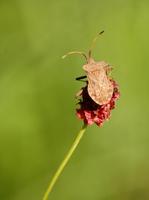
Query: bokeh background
{"type": "Point", "coordinates": [37, 104]}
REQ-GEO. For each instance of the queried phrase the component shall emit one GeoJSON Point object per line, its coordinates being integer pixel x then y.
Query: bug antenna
{"type": "Point", "coordinates": [75, 52]}
{"type": "Point", "coordinates": [93, 43]}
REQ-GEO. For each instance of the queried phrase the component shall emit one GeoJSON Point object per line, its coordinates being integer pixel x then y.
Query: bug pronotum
{"type": "Point", "coordinates": [100, 88]}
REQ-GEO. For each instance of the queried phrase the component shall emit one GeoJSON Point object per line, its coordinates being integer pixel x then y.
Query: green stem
{"type": "Point", "coordinates": [64, 162]}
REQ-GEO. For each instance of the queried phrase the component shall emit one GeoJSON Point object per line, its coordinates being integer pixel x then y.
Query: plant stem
{"type": "Point", "coordinates": [64, 162]}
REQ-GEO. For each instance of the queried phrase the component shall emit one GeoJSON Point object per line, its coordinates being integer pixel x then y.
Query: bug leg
{"type": "Point", "coordinates": [108, 69]}
{"type": "Point", "coordinates": [79, 93]}
{"type": "Point", "coordinates": [80, 78]}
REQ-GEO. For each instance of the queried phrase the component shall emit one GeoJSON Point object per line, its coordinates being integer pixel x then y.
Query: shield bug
{"type": "Point", "coordinates": [100, 88]}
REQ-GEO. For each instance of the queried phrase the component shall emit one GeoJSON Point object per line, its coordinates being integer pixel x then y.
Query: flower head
{"type": "Point", "coordinates": [91, 112]}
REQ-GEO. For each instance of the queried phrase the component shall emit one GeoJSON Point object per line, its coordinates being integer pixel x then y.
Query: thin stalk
{"type": "Point", "coordinates": [64, 162]}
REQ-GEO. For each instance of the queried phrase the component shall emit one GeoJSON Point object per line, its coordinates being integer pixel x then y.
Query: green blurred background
{"type": "Point", "coordinates": [37, 104]}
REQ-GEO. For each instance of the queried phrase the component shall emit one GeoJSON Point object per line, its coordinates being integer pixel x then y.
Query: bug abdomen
{"type": "Point", "coordinates": [100, 88]}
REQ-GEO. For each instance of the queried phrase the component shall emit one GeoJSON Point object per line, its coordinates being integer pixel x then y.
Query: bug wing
{"type": "Point", "coordinates": [100, 88]}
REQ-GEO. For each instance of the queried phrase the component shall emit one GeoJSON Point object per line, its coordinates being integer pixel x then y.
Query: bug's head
{"type": "Point", "coordinates": [95, 66]}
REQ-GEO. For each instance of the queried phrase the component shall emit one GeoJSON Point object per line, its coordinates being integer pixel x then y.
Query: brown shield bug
{"type": "Point", "coordinates": [100, 88]}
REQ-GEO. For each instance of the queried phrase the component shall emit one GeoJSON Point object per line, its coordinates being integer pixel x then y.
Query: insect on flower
{"type": "Point", "coordinates": [100, 88]}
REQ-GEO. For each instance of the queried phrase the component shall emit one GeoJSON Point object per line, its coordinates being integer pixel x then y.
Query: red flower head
{"type": "Point", "coordinates": [91, 112]}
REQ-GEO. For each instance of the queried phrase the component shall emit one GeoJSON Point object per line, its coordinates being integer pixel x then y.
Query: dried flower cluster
{"type": "Point", "coordinates": [91, 112]}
